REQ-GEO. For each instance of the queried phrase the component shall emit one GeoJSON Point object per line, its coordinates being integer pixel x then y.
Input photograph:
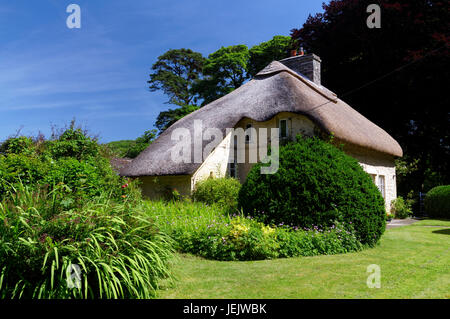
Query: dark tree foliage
{"type": "Point", "coordinates": [225, 70]}
{"type": "Point", "coordinates": [175, 72]}
{"type": "Point", "coordinates": [396, 75]}
{"type": "Point", "coordinates": [273, 50]}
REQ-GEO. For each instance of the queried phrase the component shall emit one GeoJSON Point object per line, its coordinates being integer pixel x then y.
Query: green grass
{"type": "Point", "coordinates": [433, 222]}
{"type": "Point", "coordinates": [414, 263]}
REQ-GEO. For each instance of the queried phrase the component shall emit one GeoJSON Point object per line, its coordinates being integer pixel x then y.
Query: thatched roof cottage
{"type": "Point", "coordinates": [286, 95]}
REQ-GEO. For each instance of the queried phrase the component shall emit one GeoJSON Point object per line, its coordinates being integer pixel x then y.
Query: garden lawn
{"type": "Point", "coordinates": [414, 261]}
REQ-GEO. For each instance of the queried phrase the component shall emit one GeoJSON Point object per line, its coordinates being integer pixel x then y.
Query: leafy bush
{"type": "Point", "coordinates": [316, 184]}
{"type": "Point", "coordinates": [73, 143]}
{"type": "Point", "coordinates": [119, 148]}
{"type": "Point", "coordinates": [132, 148]}
{"type": "Point", "coordinates": [17, 145]}
{"type": "Point", "coordinates": [205, 231]}
{"type": "Point", "coordinates": [120, 253]}
{"type": "Point", "coordinates": [437, 202]}
{"type": "Point", "coordinates": [73, 159]}
{"type": "Point", "coordinates": [400, 209]}
{"type": "Point", "coordinates": [221, 191]}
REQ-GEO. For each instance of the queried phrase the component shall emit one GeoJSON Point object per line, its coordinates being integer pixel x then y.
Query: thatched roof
{"type": "Point", "coordinates": [118, 163]}
{"type": "Point", "coordinates": [275, 89]}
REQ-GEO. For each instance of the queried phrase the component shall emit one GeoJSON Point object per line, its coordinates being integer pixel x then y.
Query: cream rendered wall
{"type": "Point", "coordinates": [377, 164]}
{"type": "Point", "coordinates": [155, 187]}
{"type": "Point", "coordinates": [216, 164]}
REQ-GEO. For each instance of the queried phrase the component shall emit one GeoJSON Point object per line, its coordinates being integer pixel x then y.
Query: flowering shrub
{"type": "Point", "coordinates": [221, 191]}
{"type": "Point", "coordinates": [204, 231]}
{"type": "Point", "coordinates": [400, 209]}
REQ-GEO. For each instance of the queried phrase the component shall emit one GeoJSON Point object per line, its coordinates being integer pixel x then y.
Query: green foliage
{"type": "Point", "coordinates": [130, 148]}
{"type": "Point", "coordinates": [17, 145]}
{"type": "Point", "coordinates": [120, 253]}
{"type": "Point", "coordinates": [175, 72]}
{"type": "Point", "coordinates": [400, 208]}
{"type": "Point", "coordinates": [73, 159]}
{"type": "Point", "coordinates": [225, 70]}
{"type": "Point", "coordinates": [273, 50]}
{"type": "Point", "coordinates": [167, 118]}
{"type": "Point", "coordinates": [221, 191]}
{"type": "Point", "coordinates": [72, 143]}
{"type": "Point", "coordinates": [120, 148]}
{"type": "Point", "coordinates": [186, 77]}
{"type": "Point", "coordinates": [206, 231]}
{"type": "Point", "coordinates": [315, 184]}
{"type": "Point", "coordinates": [336, 35]}
{"type": "Point", "coordinates": [141, 144]}
{"type": "Point", "coordinates": [437, 202]}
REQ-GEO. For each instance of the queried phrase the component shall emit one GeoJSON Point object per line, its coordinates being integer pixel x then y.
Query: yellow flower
{"type": "Point", "coordinates": [267, 230]}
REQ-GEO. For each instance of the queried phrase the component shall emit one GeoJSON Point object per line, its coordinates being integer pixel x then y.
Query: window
{"type": "Point", "coordinates": [381, 185]}
{"type": "Point", "coordinates": [283, 128]}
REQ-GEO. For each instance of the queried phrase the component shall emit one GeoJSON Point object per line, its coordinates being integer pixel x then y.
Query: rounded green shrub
{"type": "Point", "coordinates": [316, 184]}
{"type": "Point", "coordinates": [222, 191]}
{"type": "Point", "coordinates": [437, 202]}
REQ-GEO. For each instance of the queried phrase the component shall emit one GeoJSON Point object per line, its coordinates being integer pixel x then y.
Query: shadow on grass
{"type": "Point", "coordinates": [445, 231]}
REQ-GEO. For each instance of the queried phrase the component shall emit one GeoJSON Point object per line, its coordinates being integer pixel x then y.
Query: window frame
{"type": "Point", "coordinates": [286, 130]}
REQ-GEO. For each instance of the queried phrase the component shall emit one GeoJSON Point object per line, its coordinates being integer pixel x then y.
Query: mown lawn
{"type": "Point", "coordinates": [414, 262]}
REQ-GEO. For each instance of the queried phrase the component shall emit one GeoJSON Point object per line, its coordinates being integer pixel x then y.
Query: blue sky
{"type": "Point", "coordinates": [50, 74]}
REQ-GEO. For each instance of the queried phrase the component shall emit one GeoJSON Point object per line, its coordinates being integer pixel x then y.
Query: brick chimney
{"type": "Point", "coordinates": [307, 65]}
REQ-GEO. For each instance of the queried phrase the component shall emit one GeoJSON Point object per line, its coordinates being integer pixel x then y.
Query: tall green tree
{"type": "Point", "coordinates": [394, 75]}
{"type": "Point", "coordinates": [224, 71]}
{"type": "Point", "coordinates": [273, 50]}
{"type": "Point", "coordinates": [175, 72]}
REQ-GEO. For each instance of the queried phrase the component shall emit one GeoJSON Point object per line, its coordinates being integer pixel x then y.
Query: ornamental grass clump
{"type": "Point", "coordinates": [104, 249]}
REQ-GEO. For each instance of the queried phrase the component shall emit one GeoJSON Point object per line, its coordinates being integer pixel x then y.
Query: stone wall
{"type": "Point", "coordinates": [378, 165]}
